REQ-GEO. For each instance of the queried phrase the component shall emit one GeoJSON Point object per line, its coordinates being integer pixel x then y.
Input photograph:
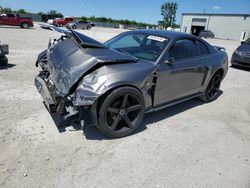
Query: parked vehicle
{"type": "Point", "coordinates": [79, 25]}
{"type": "Point", "coordinates": [4, 50]}
{"type": "Point", "coordinates": [16, 20]}
{"type": "Point", "coordinates": [112, 85]}
{"type": "Point", "coordinates": [241, 56]}
{"type": "Point", "coordinates": [206, 34]}
{"type": "Point", "coordinates": [60, 22]}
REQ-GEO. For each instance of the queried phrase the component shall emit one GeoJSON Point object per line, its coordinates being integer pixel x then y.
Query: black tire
{"type": "Point", "coordinates": [3, 61]}
{"type": "Point", "coordinates": [88, 27]}
{"type": "Point", "coordinates": [25, 25]}
{"type": "Point", "coordinates": [213, 88]}
{"type": "Point", "coordinates": [73, 27]}
{"type": "Point", "coordinates": [121, 112]}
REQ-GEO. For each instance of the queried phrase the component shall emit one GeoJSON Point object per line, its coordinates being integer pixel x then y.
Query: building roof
{"type": "Point", "coordinates": [215, 14]}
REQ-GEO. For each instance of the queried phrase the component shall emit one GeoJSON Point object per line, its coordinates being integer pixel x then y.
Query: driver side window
{"type": "Point", "coordinates": [183, 49]}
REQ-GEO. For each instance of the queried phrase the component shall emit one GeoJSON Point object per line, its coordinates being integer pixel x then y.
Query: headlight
{"type": "Point", "coordinates": [238, 52]}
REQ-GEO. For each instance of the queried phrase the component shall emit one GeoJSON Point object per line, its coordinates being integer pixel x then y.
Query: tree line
{"type": "Point", "coordinates": [168, 11]}
{"type": "Point", "coordinates": [57, 14]}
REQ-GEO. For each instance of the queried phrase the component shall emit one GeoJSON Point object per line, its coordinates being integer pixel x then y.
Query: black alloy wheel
{"type": "Point", "coordinates": [121, 112]}
{"type": "Point", "coordinates": [213, 88]}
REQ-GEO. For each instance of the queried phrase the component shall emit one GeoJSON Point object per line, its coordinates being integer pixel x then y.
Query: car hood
{"type": "Point", "coordinates": [244, 48]}
{"type": "Point", "coordinates": [68, 62]}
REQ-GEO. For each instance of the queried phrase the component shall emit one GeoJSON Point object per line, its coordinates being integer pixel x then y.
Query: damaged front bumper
{"type": "Point", "coordinates": [64, 107]}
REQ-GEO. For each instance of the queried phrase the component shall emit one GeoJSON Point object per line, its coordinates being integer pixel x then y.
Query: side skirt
{"type": "Point", "coordinates": [174, 102]}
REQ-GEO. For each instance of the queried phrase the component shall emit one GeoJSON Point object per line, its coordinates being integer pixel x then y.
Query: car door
{"type": "Point", "coordinates": [12, 19]}
{"type": "Point", "coordinates": [182, 72]}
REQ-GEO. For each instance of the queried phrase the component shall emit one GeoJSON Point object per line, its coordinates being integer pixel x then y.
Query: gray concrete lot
{"type": "Point", "coordinates": [189, 145]}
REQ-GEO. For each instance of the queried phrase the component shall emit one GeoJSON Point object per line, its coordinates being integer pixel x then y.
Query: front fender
{"type": "Point", "coordinates": [107, 82]}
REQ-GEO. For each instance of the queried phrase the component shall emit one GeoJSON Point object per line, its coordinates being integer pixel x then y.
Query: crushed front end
{"type": "Point", "coordinates": [59, 100]}
{"type": "Point", "coordinates": [68, 81]}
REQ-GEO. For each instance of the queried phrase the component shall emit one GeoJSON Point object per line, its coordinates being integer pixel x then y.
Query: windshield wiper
{"type": "Point", "coordinates": [122, 51]}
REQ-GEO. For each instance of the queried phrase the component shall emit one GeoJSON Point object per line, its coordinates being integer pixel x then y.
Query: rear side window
{"type": "Point", "coordinates": [184, 49]}
{"type": "Point", "coordinates": [11, 15]}
{"type": "Point", "coordinates": [202, 48]}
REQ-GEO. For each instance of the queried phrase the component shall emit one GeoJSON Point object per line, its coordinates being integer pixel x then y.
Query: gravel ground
{"type": "Point", "coordinates": [189, 145]}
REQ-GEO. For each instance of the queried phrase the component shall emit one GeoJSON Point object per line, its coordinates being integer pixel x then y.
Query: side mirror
{"type": "Point", "coordinates": [170, 60]}
{"type": "Point", "coordinates": [243, 42]}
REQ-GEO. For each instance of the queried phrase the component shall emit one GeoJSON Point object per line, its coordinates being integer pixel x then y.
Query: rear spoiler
{"type": "Point", "coordinates": [220, 48]}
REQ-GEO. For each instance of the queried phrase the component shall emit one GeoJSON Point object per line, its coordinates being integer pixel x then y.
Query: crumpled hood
{"type": "Point", "coordinates": [68, 62]}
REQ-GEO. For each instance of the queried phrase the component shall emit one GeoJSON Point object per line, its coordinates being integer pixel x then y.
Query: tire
{"type": "Point", "coordinates": [25, 25]}
{"type": "Point", "coordinates": [213, 88]}
{"type": "Point", "coordinates": [121, 112]}
{"type": "Point", "coordinates": [73, 27]}
{"type": "Point", "coordinates": [3, 61]}
{"type": "Point", "coordinates": [88, 28]}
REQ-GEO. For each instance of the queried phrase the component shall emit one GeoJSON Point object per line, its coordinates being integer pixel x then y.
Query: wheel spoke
{"type": "Point", "coordinates": [114, 110]}
{"type": "Point", "coordinates": [127, 120]}
{"type": "Point", "coordinates": [133, 108]}
{"type": "Point", "coordinates": [210, 88]}
{"type": "Point", "coordinates": [216, 81]}
{"type": "Point", "coordinates": [124, 102]}
{"type": "Point", "coordinates": [115, 123]}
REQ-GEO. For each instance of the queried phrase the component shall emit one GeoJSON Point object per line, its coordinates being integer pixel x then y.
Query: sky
{"type": "Point", "coordinates": [139, 10]}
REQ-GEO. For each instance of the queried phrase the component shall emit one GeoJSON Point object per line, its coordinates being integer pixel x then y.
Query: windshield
{"type": "Point", "coordinates": [141, 46]}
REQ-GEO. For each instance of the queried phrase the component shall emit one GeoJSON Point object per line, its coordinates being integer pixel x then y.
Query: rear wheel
{"type": "Point", "coordinates": [213, 88]}
{"type": "Point", "coordinates": [121, 112]}
{"type": "Point", "coordinates": [73, 27]}
{"type": "Point", "coordinates": [25, 25]}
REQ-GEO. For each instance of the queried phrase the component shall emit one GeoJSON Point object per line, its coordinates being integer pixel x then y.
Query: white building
{"type": "Point", "coordinates": [225, 26]}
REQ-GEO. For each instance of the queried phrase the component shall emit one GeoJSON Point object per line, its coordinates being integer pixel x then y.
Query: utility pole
{"type": "Point", "coordinates": [171, 21]}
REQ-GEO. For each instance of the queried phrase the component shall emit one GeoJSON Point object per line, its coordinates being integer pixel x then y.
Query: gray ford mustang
{"type": "Point", "coordinates": [112, 85]}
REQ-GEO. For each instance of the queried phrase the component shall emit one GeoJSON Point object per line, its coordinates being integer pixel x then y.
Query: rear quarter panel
{"type": "Point", "coordinates": [215, 62]}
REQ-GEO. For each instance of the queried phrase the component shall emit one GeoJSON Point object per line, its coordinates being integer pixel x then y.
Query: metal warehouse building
{"type": "Point", "coordinates": [225, 26]}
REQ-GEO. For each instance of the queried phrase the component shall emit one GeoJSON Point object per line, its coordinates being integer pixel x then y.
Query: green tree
{"type": "Point", "coordinates": [41, 13]}
{"type": "Point", "coordinates": [21, 11]}
{"type": "Point", "coordinates": [6, 10]}
{"type": "Point", "coordinates": [55, 14]}
{"type": "Point", "coordinates": [168, 11]}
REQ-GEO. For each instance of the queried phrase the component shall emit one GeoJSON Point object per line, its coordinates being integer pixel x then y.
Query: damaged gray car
{"type": "Point", "coordinates": [112, 85]}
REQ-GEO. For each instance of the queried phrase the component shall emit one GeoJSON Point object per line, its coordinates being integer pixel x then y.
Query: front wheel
{"type": "Point", "coordinates": [121, 112]}
{"type": "Point", "coordinates": [213, 88]}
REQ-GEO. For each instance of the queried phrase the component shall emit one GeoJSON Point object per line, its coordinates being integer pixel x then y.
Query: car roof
{"type": "Point", "coordinates": [163, 33]}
